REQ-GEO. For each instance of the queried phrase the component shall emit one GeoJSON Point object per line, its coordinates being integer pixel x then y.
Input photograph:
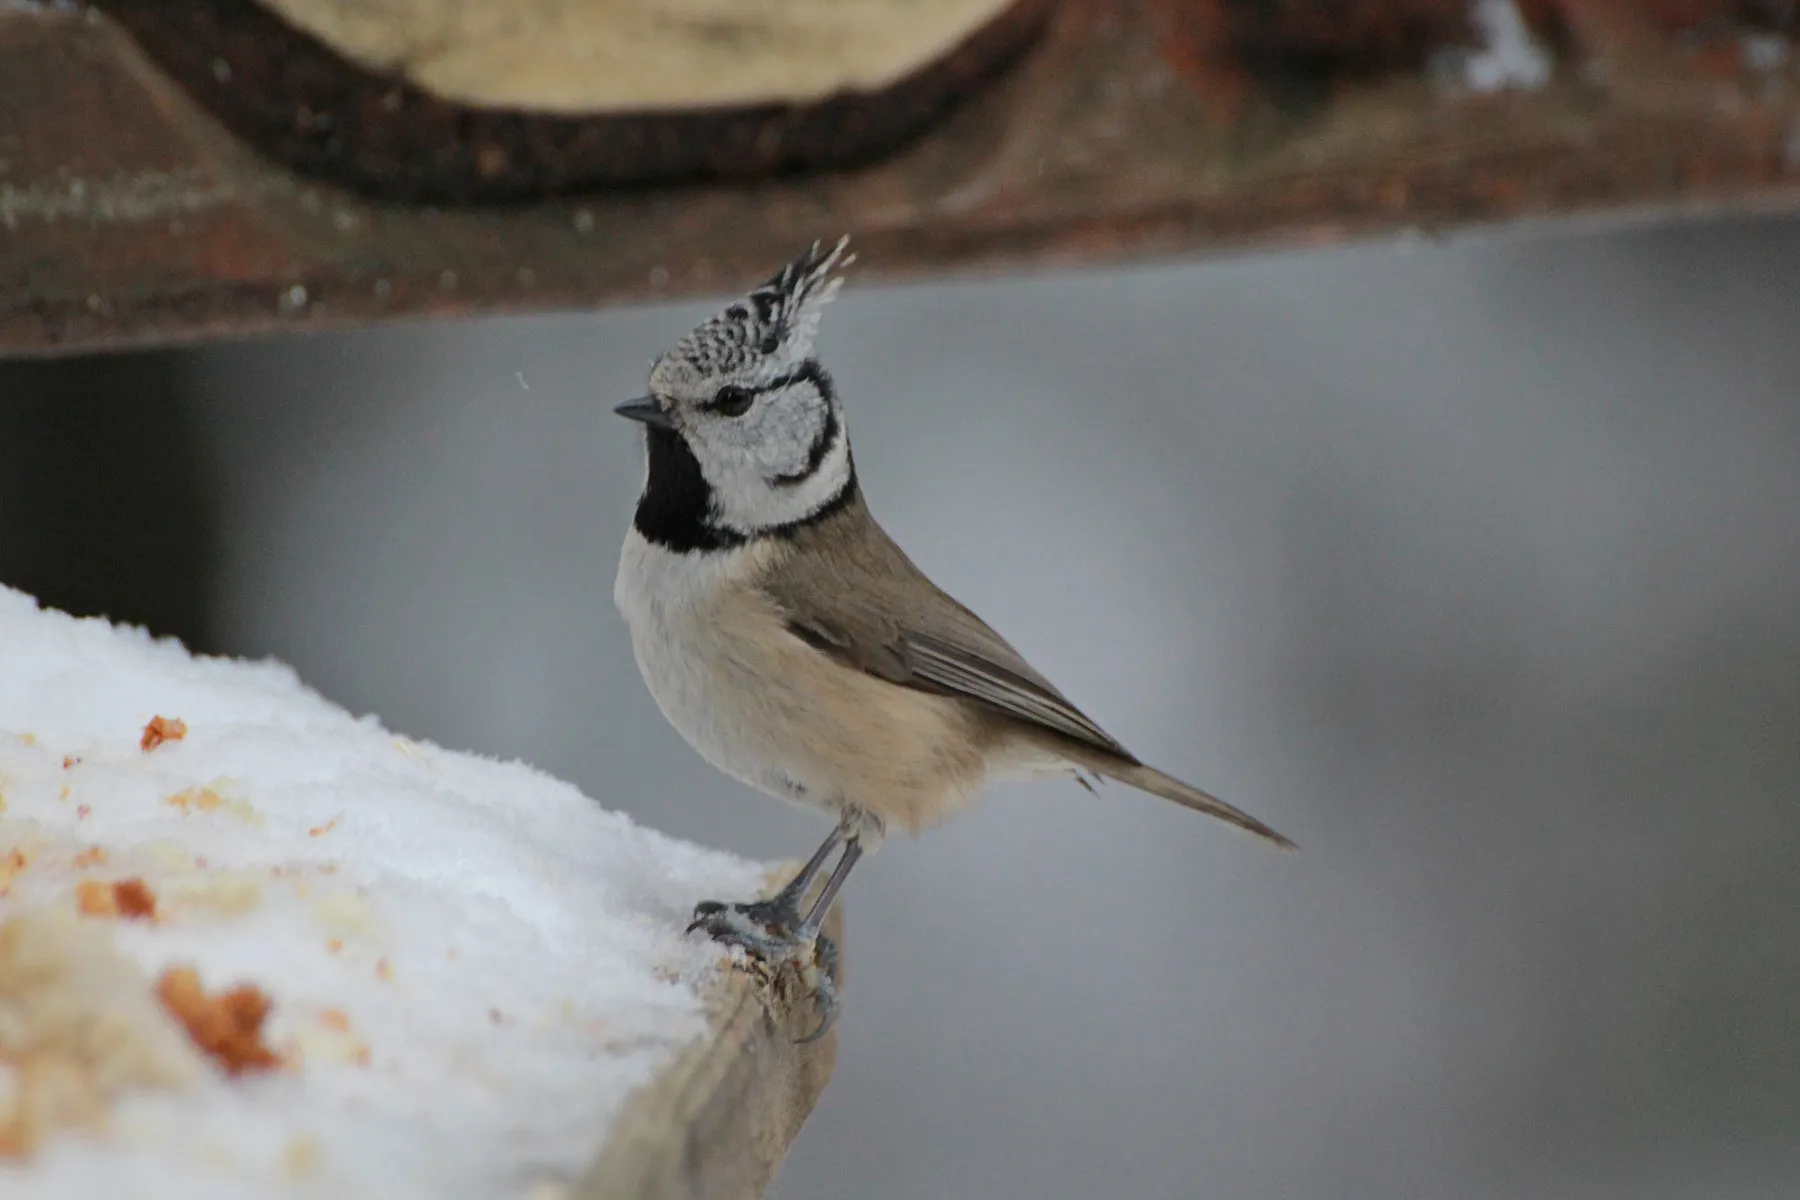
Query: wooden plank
{"type": "Point", "coordinates": [718, 1122]}
{"type": "Point", "coordinates": [1134, 129]}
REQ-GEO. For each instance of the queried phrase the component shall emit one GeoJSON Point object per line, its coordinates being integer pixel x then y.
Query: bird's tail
{"type": "Point", "coordinates": [1149, 779]}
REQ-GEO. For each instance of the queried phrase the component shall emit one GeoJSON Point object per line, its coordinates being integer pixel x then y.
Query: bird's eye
{"type": "Point", "coordinates": [733, 400]}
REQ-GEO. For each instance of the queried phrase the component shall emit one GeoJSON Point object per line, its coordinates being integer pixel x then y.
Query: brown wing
{"type": "Point", "coordinates": [848, 590]}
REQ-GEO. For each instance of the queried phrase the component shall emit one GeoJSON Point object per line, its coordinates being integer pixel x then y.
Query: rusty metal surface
{"type": "Point", "coordinates": [127, 216]}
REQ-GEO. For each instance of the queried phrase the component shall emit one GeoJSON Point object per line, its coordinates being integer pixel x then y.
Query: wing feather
{"type": "Point", "coordinates": [847, 590]}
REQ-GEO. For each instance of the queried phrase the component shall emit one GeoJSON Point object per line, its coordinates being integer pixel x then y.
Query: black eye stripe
{"type": "Point", "coordinates": [808, 371]}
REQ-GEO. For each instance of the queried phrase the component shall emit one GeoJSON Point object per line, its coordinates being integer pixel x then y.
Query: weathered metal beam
{"type": "Point", "coordinates": [128, 216]}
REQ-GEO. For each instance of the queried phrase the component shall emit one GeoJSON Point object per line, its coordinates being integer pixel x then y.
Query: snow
{"type": "Point", "coordinates": [471, 964]}
{"type": "Point", "coordinates": [1510, 56]}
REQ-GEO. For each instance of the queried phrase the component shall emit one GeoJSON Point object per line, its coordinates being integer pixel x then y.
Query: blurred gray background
{"type": "Point", "coordinates": [1474, 567]}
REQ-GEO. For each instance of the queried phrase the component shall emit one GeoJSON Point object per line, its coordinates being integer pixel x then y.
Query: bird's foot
{"type": "Point", "coordinates": [766, 929]}
{"type": "Point", "coordinates": [769, 932]}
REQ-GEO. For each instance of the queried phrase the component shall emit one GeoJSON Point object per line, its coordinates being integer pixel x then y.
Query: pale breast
{"type": "Point", "coordinates": [765, 708]}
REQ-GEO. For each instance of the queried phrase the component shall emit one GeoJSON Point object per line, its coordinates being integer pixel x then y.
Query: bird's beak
{"type": "Point", "coordinates": [646, 410]}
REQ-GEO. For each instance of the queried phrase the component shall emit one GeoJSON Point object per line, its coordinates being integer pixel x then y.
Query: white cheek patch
{"type": "Point", "coordinates": [747, 501]}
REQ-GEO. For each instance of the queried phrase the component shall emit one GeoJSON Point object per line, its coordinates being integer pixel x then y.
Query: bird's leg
{"type": "Point", "coordinates": [774, 931]}
{"type": "Point", "coordinates": [823, 972]}
{"type": "Point", "coordinates": [766, 927]}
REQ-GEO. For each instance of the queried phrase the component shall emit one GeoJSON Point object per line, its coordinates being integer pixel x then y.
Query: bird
{"type": "Point", "coordinates": [795, 646]}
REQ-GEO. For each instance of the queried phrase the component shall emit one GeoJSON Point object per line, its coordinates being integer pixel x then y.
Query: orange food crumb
{"type": "Point", "coordinates": [93, 856]}
{"type": "Point", "coordinates": [82, 811]}
{"type": "Point", "coordinates": [128, 898]}
{"type": "Point", "coordinates": [95, 899]}
{"type": "Point", "coordinates": [335, 1019]}
{"type": "Point", "coordinates": [327, 827]}
{"type": "Point", "coordinates": [64, 794]}
{"type": "Point", "coordinates": [69, 761]}
{"type": "Point", "coordinates": [136, 901]}
{"type": "Point", "coordinates": [29, 739]}
{"type": "Point", "coordinates": [14, 862]}
{"type": "Point", "coordinates": [335, 945]}
{"type": "Point", "coordinates": [383, 971]}
{"type": "Point", "coordinates": [195, 799]}
{"type": "Point", "coordinates": [160, 730]}
{"type": "Point", "coordinates": [228, 1027]}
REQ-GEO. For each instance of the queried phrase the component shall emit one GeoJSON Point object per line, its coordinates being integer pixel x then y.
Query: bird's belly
{"type": "Point", "coordinates": [767, 709]}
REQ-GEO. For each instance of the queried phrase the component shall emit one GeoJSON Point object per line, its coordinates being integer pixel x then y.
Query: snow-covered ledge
{"type": "Point", "coordinates": [252, 945]}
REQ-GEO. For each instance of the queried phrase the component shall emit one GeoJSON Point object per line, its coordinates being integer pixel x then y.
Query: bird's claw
{"type": "Point", "coordinates": [768, 931]}
{"type": "Point", "coordinates": [821, 976]}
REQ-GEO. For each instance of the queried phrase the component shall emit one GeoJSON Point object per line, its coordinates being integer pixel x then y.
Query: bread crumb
{"type": "Point", "coordinates": [336, 1019]}
{"type": "Point", "coordinates": [28, 739]}
{"type": "Point", "coordinates": [195, 800]}
{"type": "Point", "coordinates": [93, 856]}
{"type": "Point", "coordinates": [327, 827]}
{"type": "Point", "coordinates": [384, 971]}
{"type": "Point", "coordinates": [334, 945]}
{"type": "Point", "coordinates": [227, 1027]}
{"type": "Point", "coordinates": [69, 761]}
{"type": "Point", "coordinates": [128, 898]}
{"type": "Point", "coordinates": [77, 1026]}
{"type": "Point", "coordinates": [160, 730]}
{"type": "Point", "coordinates": [16, 860]}
{"type": "Point", "coordinates": [207, 799]}
{"type": "Point", "coordinates": [83, 811]}
{"type": "Point", "coordinates": [95, 899]}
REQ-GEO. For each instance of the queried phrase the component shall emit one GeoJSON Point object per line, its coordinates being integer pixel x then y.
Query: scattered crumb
{"type": "Point", "coordinates": [160, 730]}
{"type": "Point", "coordinates": [327, 827]}
{"type": "Point", "coordinates": [28, 739]}
{"type": "Point", "coordinates": [95, 899]}
{"type": "Point", "coordinates": [69, 762]}
{"type": "Point", "coordinates": [334, 945]}
{"type": "Point", "coordinates": [16, 860]}
{"type": "Point", "coordinates": [335, 1019]}
{"type": "Point", "coordinates": [135, 900]}
{"type": "Point", "coordinates": [496, 1017]}
{"type": "Point", "coordinates": [208, 799]}
{"type": "Point", "coordinates": [227, 1027]}
{"type": "Point", "coordinates": [64, 793]}
{"type": "Point", "coordinates": [196, 800]}
{"type": "Point", "coordinates": [384, 971]}
{"type": "Point", "coordinates": [128, 898]}
{"type": "Point", "coordinates": [83, 811]}
{"type": "Point", "coordinates": [77, 1026]}
{"type": "Point", "coordinates": [93, 856]}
